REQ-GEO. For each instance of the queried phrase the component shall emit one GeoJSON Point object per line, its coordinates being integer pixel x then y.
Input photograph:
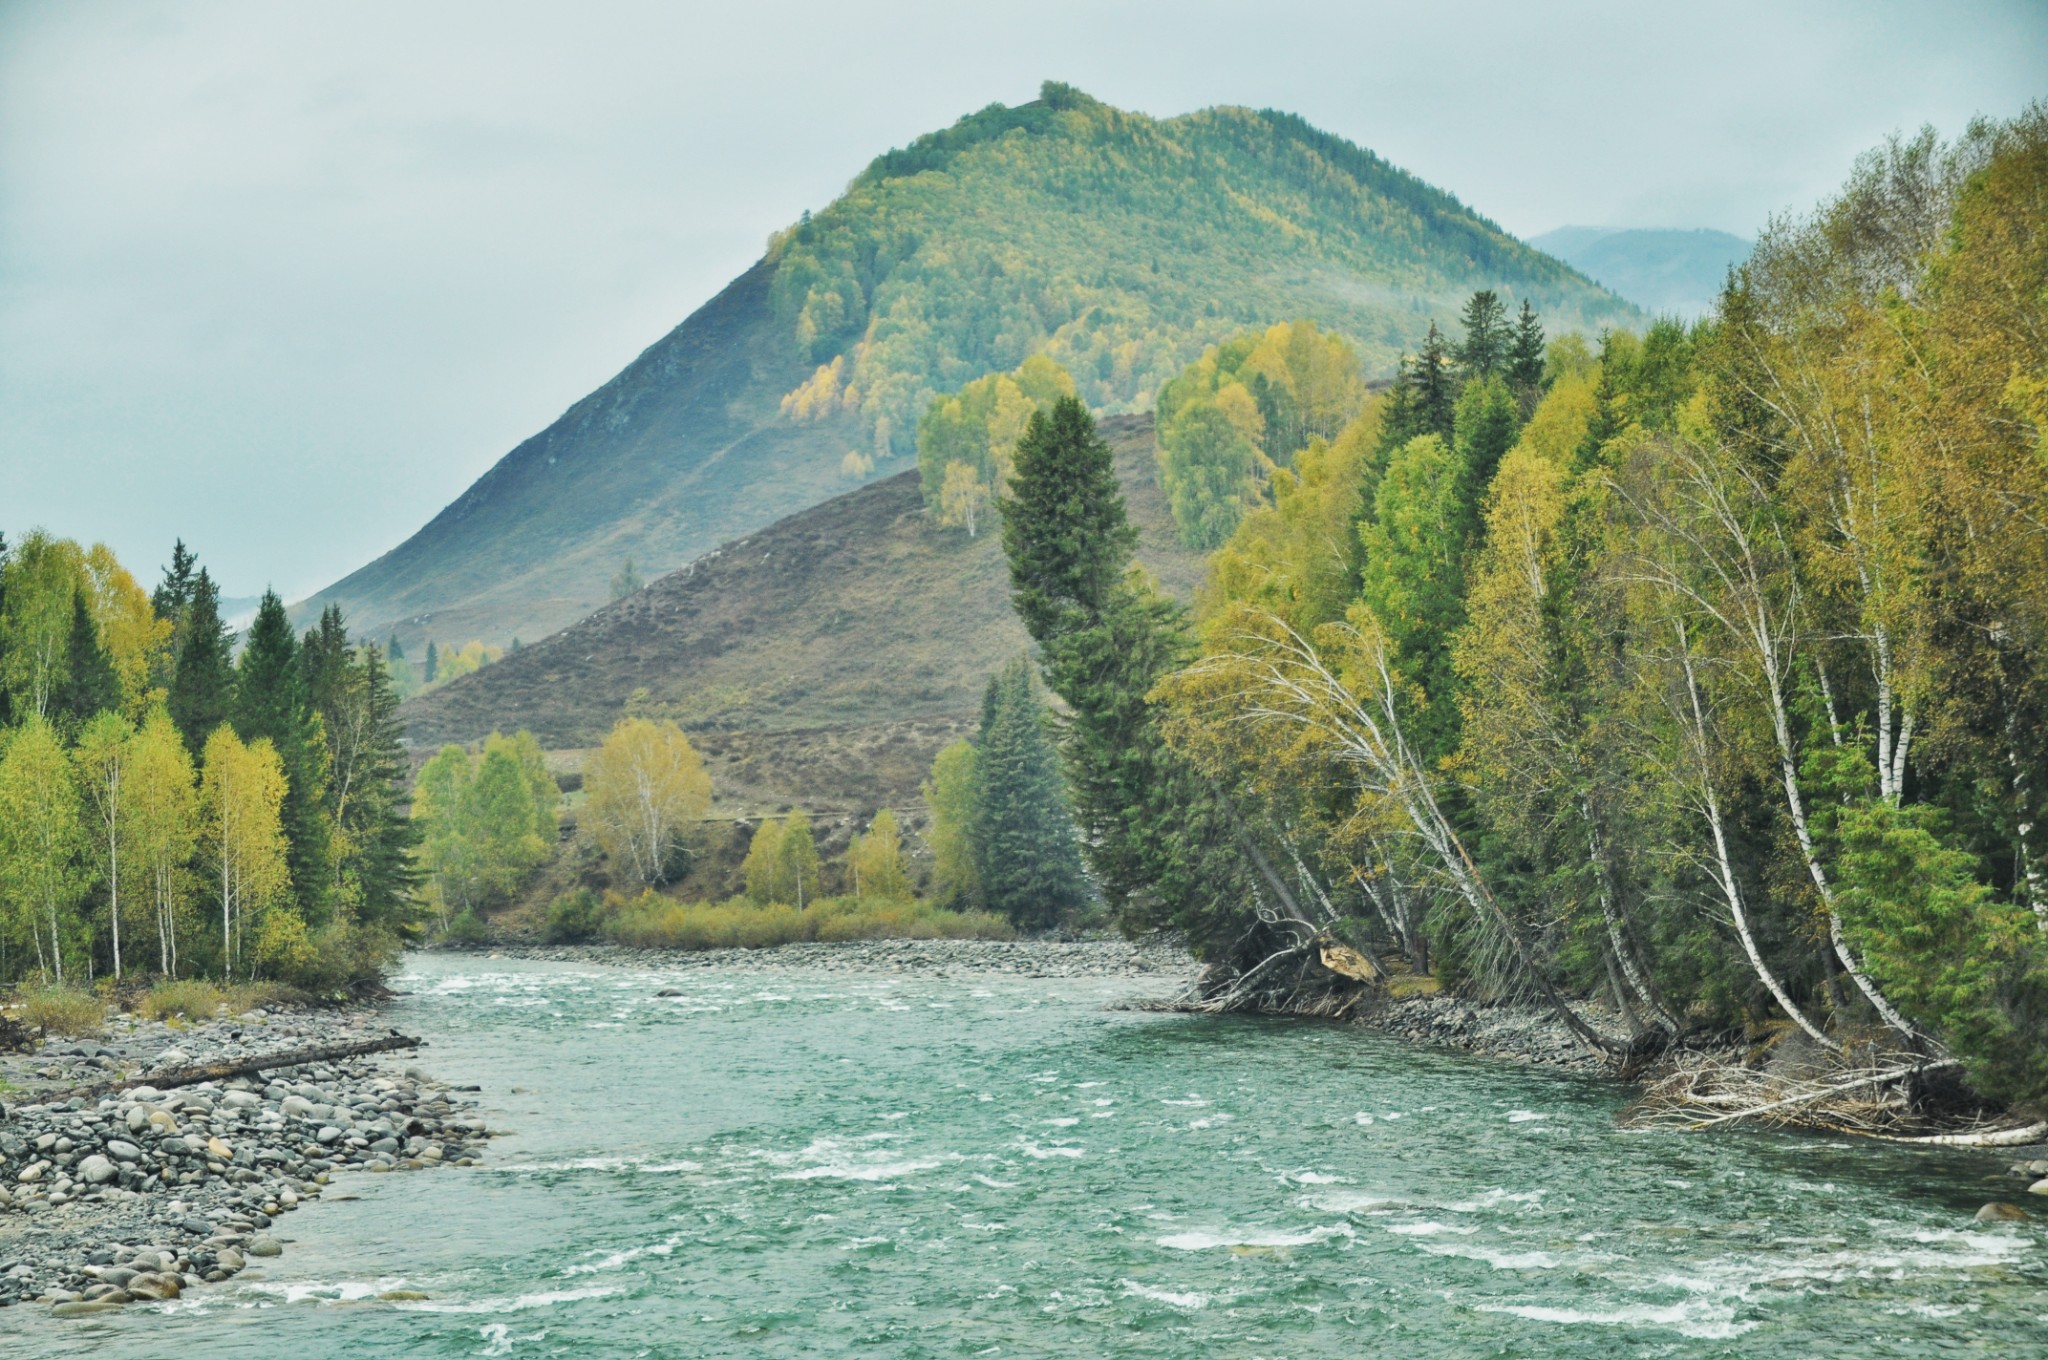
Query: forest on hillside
{"type": "Point", "coordinates": [1704, 670]}
{"type": "Point", "coordinates": [1118, 246]}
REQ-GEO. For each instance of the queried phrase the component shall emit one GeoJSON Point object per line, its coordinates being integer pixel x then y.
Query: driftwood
{"type": "Point", "coordinates": [242, 1067]}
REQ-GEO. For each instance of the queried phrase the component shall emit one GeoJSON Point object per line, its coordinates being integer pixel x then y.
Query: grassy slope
{"type": "Point", "coordinates": [822, 661]}
{"type": "Point", "coordinates": [1120, 243]}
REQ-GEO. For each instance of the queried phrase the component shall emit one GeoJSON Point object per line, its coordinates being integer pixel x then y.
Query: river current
{"type": "Point", "coordinates": [813, 1164]}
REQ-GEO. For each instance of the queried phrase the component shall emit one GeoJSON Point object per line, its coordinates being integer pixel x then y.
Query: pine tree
{"type": "Point", "coordinates": [203, 684]}
{"type": "Point", "coordinates": [393, 651]}
{"type": "Point", "coordinates": [1489, 419]}
{"type": "Point", "coordinates": [89, 685]}
{"type": "Point", "coordinates": [1485, 347]}
{"type": "Point", "coordinates": [433, 664]}
{"type": "Point", "coordinates": [1525, 356]}
{"type": "Point", "coordinates": [1029, 858]}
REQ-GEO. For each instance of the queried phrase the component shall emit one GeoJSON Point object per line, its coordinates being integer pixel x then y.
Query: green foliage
{"type": "Point", "coordinates": [949, 793]}
{"type": "Point", "coordinates": [1944, 945]}
{"type": "Point", "coordinates": [782, 862]}
{"type": "Point", "coordinates": [1119, 246]}
{"type": "Point", "coordinates": [58, 1009]}
{"type": "Point", "coordinates": [203, 686]}
{"type": "Point", "coordinates": [467, 931]}
{"type": "Point", "coordinates": [1245, 406]}
{"type": "Point", "coordinates": [1064, 529]}
{"type": "Point", "coordinates": [575, 918]}
{"type": "Point", "coordinates": [482, 818]}
{"type": "Point", "coordinates": [1028, 859]}
{"type": "Point", "coordinates": [967, 442]}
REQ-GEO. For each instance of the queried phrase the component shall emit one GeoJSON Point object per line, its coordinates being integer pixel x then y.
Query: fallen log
{"type": "Point", "coordinates": [240, 1067]}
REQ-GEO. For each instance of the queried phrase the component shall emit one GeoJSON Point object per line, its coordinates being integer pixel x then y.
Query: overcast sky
{"type": "Point", "coordinates": [284, 279]}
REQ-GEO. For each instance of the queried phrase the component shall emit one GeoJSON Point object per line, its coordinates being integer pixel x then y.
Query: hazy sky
{"type": "Point", "coordinates": [284, 279]}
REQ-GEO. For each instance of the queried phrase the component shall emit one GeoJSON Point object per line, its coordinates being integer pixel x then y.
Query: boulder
{"type": "Point", "coordinates": [97, 1170]}
{"type": "Point", "coordinates": [2001, 1212]}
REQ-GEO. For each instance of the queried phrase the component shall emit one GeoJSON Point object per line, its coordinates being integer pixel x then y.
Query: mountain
{"type": "Point", "coordinates": [1116, 243]}
{"type": "Point", "coordinates": [823, 660]}
{"type": "Point", "coordinates": [1666, 272]}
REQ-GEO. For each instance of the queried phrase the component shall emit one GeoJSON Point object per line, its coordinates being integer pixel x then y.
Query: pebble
{"type": "Point", "coordinates": [145, 1193]}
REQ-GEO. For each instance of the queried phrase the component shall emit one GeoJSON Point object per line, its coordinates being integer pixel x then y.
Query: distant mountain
{"type": "Point", "coordinates": [1667, 272]}
{"type": "Point", "coordinates": [1117, 243]}
{"type": "Point", "coordinates": [854, 626]}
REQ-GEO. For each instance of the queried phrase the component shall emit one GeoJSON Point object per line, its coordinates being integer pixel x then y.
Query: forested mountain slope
{"type": "Point", "coordinates": [855, 614]}
{"type": "Point", "coordinates": [1116, 243]}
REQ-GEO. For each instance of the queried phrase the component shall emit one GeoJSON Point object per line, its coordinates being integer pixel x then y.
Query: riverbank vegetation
{"type": "Point", "coordinates": [170, 806]}
{"type": "Point", "coordinates": [1704, 670]}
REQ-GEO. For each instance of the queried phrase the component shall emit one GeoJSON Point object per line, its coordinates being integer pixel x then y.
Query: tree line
{"type": "Point", "coordinates": [1704, 670]}
{"type": "Point", "coordinates": [169, 805]}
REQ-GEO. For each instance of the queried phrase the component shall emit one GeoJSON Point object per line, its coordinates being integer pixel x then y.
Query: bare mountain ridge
{"type": "Point", "coordinates": [822, 661]}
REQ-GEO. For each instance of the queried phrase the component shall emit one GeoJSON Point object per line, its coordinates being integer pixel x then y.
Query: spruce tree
{"type": "Point", "coordinates": [392, 651]}
{"type": "Point", "coordinates": [1429, 388]}
{"type": "Point", "coordinates": [89, 685]}
{"type": "Point", "coordinates": [1525, 356]}
{"type": "Point", "coordinates": [1485, 347]}
{"type": "Point", "coordinates": [433, 665]}
{"type": "Point", "coordinates": [203, 683]}
{"type": "Point", "coordinates": [271, 701]}
{"type": "Point", "coordinates": [6, 699]}
{"type": "Point", "coordinates": [1064, 527]}
{"type": "Point", "coordinates": [1028, 856]}
{"type": "Point", "coordinates": [379, 836]}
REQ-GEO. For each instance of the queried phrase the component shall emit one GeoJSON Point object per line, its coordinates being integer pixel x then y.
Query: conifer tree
{"type": "Point", "coordinates": [89, 685]}
{"type": "Point", "coordinates": [1029, 858]}
{"type": "Point", "coordinates": [1484, 349]}
{"type": "Point", "coordinates": [203, 684]}
{"type": "Point", "coordinates": [370, 792]}
{"type": "Point", "coordinates": [271, 704]}
{"type": "Point", "coordinates": [1429, 386]}
{"type": "Point", "coordinates": [433, 670]}
{"type": "Point", "coordinates": [1064, 527]}
{"type": "Point", "coordinates": [1525, 356]}
{"type": "Point", "coordinates": [171, 601]}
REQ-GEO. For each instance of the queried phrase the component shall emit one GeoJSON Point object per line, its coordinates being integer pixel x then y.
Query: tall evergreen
{"type": "Point", "coordinates": [1028, 856]}
{"type": "Point", "coordinates": [379, 836]}
{"type": "Point", "coordinates": [6, 699]}
{"type": "Point", "coordinates": [1430, 387]}
{"type": "Point", "coordinates": [1525, 356]}
{"type": "Point", "coordinates": [203, 682]}
{"type": "Point", "coordinates": [1484, 350]}
{"type": "Point", "coordinates": [1160, 840]}
{"type": "Point", "coordinates": [433, 670]}
{"type": "Point", "coordinates": [89, 685]}
{"type": "Point", "coordinates": [174, 593]}
{"type": "Point", "coordinates": [1064, 527]}
{"type": "Point", "coordinates": [271, 701]}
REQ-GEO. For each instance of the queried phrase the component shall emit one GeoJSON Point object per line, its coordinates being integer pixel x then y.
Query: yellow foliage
{"type": "Point", "coordinates": [643, 787]}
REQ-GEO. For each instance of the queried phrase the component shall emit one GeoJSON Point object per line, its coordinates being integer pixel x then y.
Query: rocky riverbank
{"type": "Point", "coordinates": [1167, 961]}
{"type": "Point", "coordinates": [145, 1193]}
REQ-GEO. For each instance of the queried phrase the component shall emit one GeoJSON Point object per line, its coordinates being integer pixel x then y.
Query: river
{"type": "Point", "coordinates": [804, 1164]}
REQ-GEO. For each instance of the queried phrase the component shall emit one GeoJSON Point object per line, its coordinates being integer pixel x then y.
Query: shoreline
{"type": "Point", "coordinates": [139, 1195]}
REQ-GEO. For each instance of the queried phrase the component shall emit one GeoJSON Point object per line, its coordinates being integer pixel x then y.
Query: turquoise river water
{"type": "Point", "coordinates": [811, 1164]}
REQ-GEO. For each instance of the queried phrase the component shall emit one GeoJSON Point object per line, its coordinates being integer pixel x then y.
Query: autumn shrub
{"type": "Point", "coordinates": [655, 922]}
{"type": "Point", "coordinates": [264, 994]}
{"type": "Point", "coordinates": [62, 1010]}
{"type": "Point", "coordinates": [184, 998]}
